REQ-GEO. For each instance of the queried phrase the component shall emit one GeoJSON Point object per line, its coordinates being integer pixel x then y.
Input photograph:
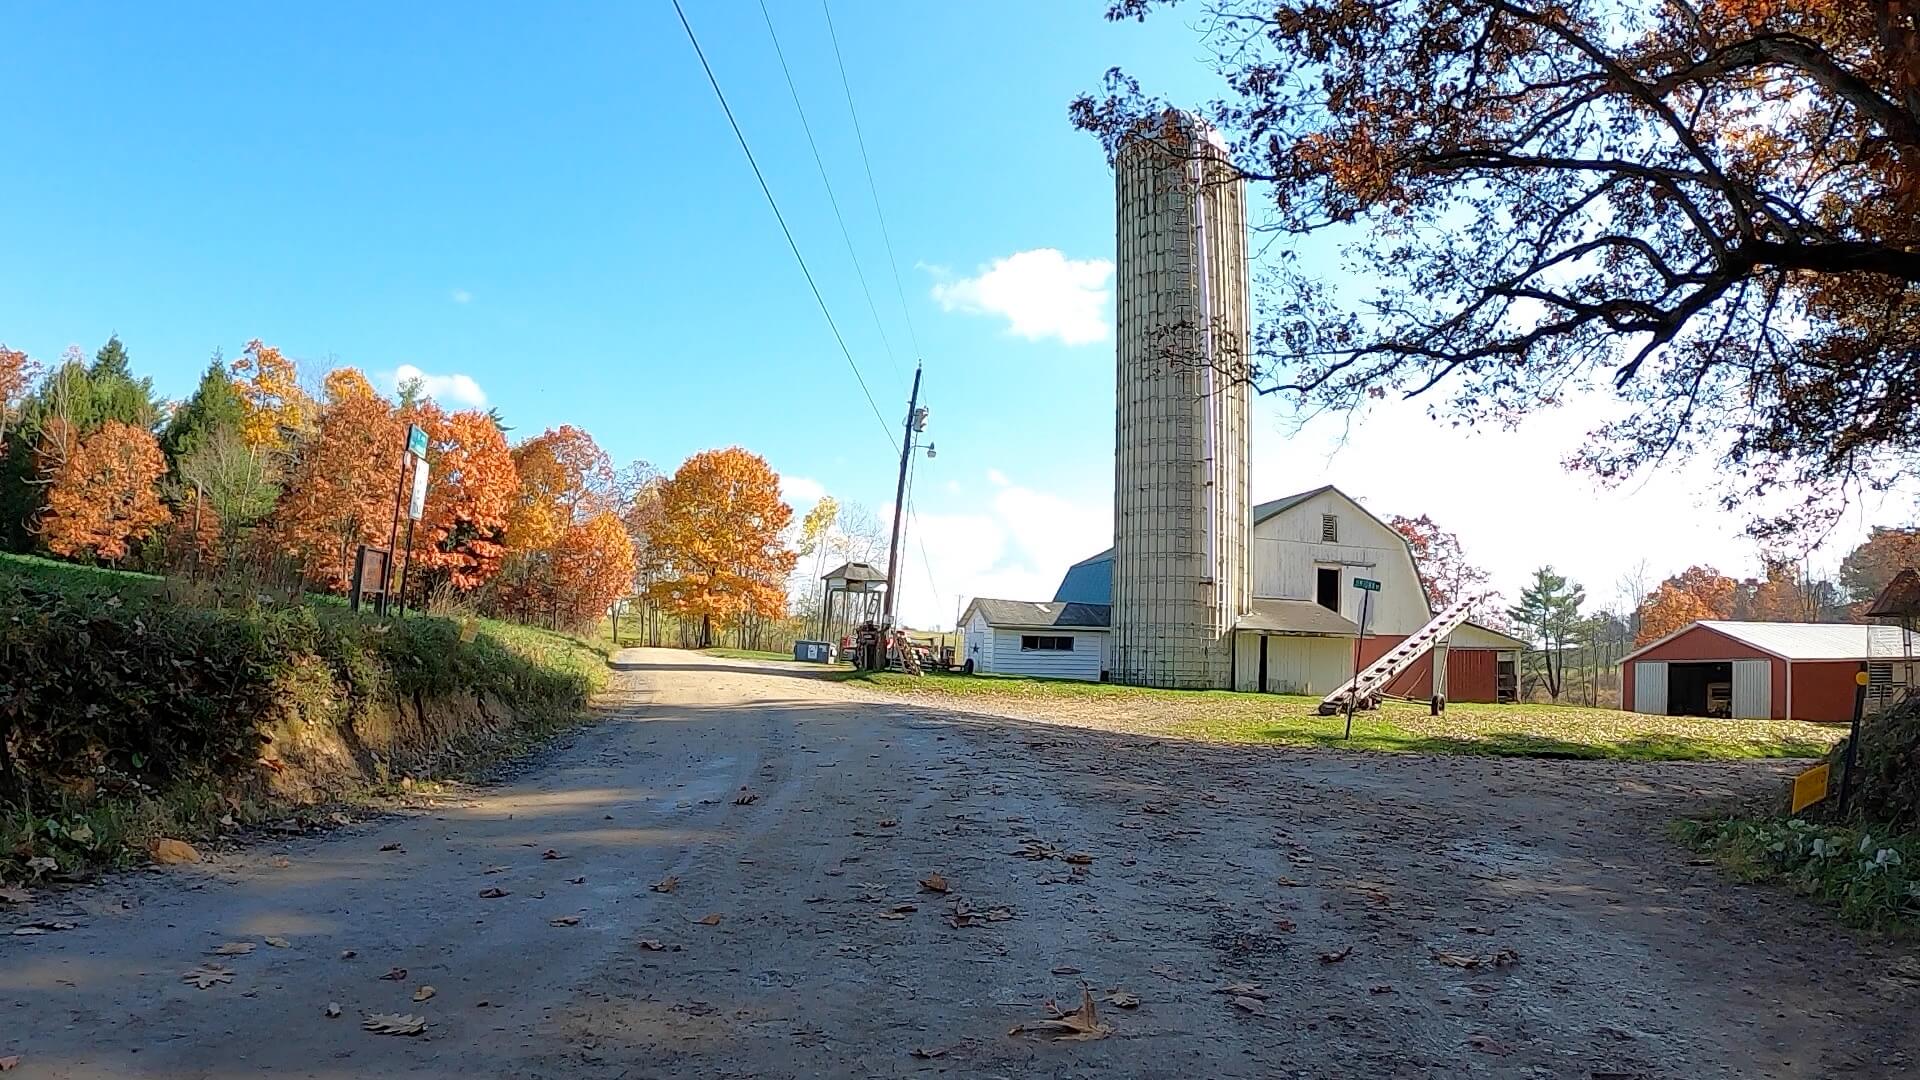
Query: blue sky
{"type": "Point", "coordinates": [555, 209]}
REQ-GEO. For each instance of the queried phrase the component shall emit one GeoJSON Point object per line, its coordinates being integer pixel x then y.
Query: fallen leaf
{"type": "Point", "coordinates": [424, 993]}
{"type": "Point", "coordinates": [1383, 988]}
{"type": "Point", "coordinates": [1285, 926]}
{"type": "Point", "coordinates": [496, 869]}
{"type": "Point", "coordinates": [551, 854]}
{"type": "Point", "coordinates": [9, 1063]}
{"type": "Point", "coordinates": [745, 798]}
{"type": "Point", "coordinates": [333, 1010]}
{"type": "Point", "coordinates": [280, 862]}
{"type": "Point", "coordinates": [44, 926]}
{"type": "Point", "coordinates": [395, 974]}
{"type": "Point", "coordinates": [1336, 957]}
{"type": "Point", "coordinates": [206, 975]}
{"type": "Point", "coordinates": [665, 884]}
{"type": "Point", "coordinates": [392, 847]}
{"type": "Point", "coordinates": [1476, 930]}
{"type": "Point", "coordinates": [278, 942]}
{"type": "Point", "coordinates": [348, 954]}
{"type": "Point", "coordinates": [709, 920]}
{"type": "Point", "coordinates": [1247, 1004]}
{"type": "Point", "coordinates": [1066, 970]}
{"type": "Point", "coordinates": [1078, 858]}
{"type": "Point", "coordinates": [394, 1024]}
{"type": "Point", "coordinates": [173, 852]}
{"type": "Point", "coordinates": [1120, 999]}
{"type": "Point", "coordinates": [652, 945]}
{"type": "Point", "coordinates": [1471, 961]}
{"type": "Point", "coordinates": [493, 893]}
{"type": "Point", "coordinates": [1152, 808]}
{"type": "Point", "coordinates": [1247, 990]}
{"type": "Point", "coordinates": [925, 1054]}
{"type": "Point", "coordinates": [888, 823]}
{"type": "Point", "coordinates": [577, 880]}
{"type": "Point", "coordinates": [1080, 1025]}
{"type": "Point", "coordinates": [233, 948]}
{"type": "Point", "coordinates": [564, 920]}
{"type": "Point", "coordinates": [41, 864]}
{"type": "Point", "coordinates": [934, 883]}
{"type": "Point", "coordinates": [15, 896]}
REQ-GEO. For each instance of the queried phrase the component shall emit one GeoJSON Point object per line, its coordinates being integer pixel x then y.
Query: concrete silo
{"type": "Point", "coordinates": [1181, 572]}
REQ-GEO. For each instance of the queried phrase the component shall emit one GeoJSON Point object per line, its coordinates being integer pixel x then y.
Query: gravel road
{"type": "Point", "coordinates": [737, 893]}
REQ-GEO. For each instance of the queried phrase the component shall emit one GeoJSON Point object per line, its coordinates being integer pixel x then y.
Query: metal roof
{"type": "Point", "coordinates": [1296, 617]}
{"type": "Point", "coordinates": [854, 571]}
{"type": "Point", "coordinates": [1901, 597]}
{"type": "Point", "coordinates": [1805, 641]}
{"type": "Point", "coordinates": [1030, 613]}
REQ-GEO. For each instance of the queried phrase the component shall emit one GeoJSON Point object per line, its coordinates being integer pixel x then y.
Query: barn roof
{"type": "Point", "coordinates": [1030, 613]}
{"type": "Point", "coordinates": [1803, 641]}
{"type": "Point", "coordinates": [854, 572]}
{"type": "Point", "coordinates": [1296, 617]}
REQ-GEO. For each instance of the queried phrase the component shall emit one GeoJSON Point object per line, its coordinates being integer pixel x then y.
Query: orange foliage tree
{"type": "Point", "coordinates": [1699, 592]}
{"type": "Point", "coordinates": [17, 372]}
{"type": "Point", "coordinates": [105, 494]}
{"type": "Point", "coordinates": [593, 565]}
{"type": "Point", "coordinates": [340, 487]}
{"type": "Point", "coordinates": [462, 538]}
{"type": "Point", "coordinates": [269, 387]}
{"type": "Point", "coordinates": [1868, 568]}
{"type": "Point", "coordinates": [716, 538]}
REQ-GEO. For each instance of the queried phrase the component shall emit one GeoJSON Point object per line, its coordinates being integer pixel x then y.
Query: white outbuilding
{"type": "Point", "coordinates": [1049, 640]}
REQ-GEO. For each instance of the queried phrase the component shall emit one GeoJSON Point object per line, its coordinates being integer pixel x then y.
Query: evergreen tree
{"type": "Point", "coordinates": [1549, 615]}
{"type": "Point", "coordinates": [214, 407]}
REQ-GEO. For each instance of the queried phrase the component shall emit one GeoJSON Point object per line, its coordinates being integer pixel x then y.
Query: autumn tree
{"type": "Point", "coordinates": [593, 565]}
{"type": "Point", "coordinates": [1710, 208]}
{"type": "Point", "coordinates": [18, 371]}
{"type": "Point", "coordinates": [718, 540]}
{"type": "Point", "coordinates": [105, 495]}
{"type": "Point", "coordinates": [226, 486]}
{"type": "Point", "coordinates": [74, 400]}
{"type": "Point", "coordinates": [1441, 560]}
{"type": "Point", "coordinates": [1868, 568]}
{"type": "Point", "coordinates": [277, 409]}
{"type": "Point", "coordinates": [1548, 615]}
{"type": "Point", "coordinates": [342, 481]}
{"type": "Point", "coordinates": [1694, 594]}
{"type": "Point", "coordinates": [471, 488]}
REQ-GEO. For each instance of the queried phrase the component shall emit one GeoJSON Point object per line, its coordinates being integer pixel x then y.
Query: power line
{"type": "Point", "coordinates": [871, 186]}
{"type": "Point", "coordinates": [781, 218]}
{"type": "Point", "coordinates": [833, 201]}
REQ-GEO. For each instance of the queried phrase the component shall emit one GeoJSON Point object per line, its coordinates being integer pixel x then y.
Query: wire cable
{"type": "Point", "coordinates": [781, 218]}
{"type": "Point", "coordinates": [832, 200]}
{"type": "Point", "coordinates": [873, 188]}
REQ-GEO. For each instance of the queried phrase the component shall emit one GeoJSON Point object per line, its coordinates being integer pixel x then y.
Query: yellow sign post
{"type": "Point", "coordinates": [1810, 786]}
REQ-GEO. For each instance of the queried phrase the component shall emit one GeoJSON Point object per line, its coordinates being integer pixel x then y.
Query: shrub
{"type": "Point", "coordinates": [1872, 875]}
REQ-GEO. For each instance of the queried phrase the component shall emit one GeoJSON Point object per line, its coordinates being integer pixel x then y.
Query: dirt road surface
{"type": "Point", "coordinates": [1275, 913]}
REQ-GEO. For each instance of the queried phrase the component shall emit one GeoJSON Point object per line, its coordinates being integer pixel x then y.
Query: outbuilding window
{"type": "Point", "coordinates": [1329, 529]}
{"type": "Point", "coordinates": [1046, 643]}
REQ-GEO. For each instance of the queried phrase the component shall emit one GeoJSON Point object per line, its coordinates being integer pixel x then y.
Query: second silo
{"type": "Point", "coordinates": [1181, 571]}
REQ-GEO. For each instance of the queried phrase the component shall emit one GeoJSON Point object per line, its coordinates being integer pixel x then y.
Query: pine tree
{"type": "Point", "coordinates": [214, 407]}
{"type": "Point", "coordinates": [1549, 614]}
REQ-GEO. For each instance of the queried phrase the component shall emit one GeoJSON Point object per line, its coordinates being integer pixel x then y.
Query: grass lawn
{"type": "Point", "coordinates": [1513, 730]}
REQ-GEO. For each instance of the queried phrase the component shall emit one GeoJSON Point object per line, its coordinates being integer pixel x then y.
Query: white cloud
{"type": "Point", "coordinates": [462, 296]}
{"type": "Point", "coordinates": [1041, 293]}
{"type": "Point", "coordinates": [455, 389]}
{"type": "Point", "coordinates": [997, 478]}
{"type": "Point", "coordinates": [797, 491]}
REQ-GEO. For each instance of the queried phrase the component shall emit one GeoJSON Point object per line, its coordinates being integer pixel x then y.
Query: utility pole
{"type": "Point", "coordinates": [916, 422]}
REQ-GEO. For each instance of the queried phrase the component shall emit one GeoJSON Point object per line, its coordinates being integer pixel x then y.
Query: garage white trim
{"type": "Point", "coordinates": [1752, 689]}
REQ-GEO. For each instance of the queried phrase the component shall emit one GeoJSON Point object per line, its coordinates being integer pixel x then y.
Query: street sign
{"type": "Point", "coordinates": [416, 440]}
{"type": "Point", "coordinates": [1368, 584]}
{"type": "Point", "coordinates": [1811, 786]}
{"type": "Point", "coordinates": [417, 506]}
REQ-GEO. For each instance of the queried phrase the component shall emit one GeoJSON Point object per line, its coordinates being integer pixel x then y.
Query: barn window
{"type": "Point", "coordinates": [1045, 643]}
{"type": "Point", "coordinates": [1329, 529]}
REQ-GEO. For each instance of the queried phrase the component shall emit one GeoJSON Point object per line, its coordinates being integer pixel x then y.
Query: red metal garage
{"type": "Point", "coordinates": [1482, 665]}
{"type": "Point", "coordinates": [1750, 670]}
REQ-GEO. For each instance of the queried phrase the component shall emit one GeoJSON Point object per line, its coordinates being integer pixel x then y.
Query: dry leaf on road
{"type": "Point", "coordinates": [15, 896]}
{"type": "Point", "coordinates": [424, 993]}
{"type": "Point", "coordinates": [564, 920]}
{"type": "Point", "coordinates": [42, 927]}
{"type": "Point", "coordinates": [888, 823]}
{"type": "Point", "coordinates": [394, 1024]}
{"type": "Point", "coordinates": [496, 869]}
{"type": "Point", "coordinates": [745, 798]}
{"type": "Point", "coordinates": [9, 1063]}
{"type": "Point", "coordinates": [1487, 1044]}
{"type": "Point", "coordinates": [1240, 990]}
{"type": "Point", "coordinates": [280, 862]}
{"type": "Point", "coordinates": [1080, 1025]}
{"type": "Point", "coordinates": [1066, 969]}
{"type": "Point", "coordinates": [206, 975]}
{"type": "Point", "coordinates": [493, 893]}
{"type": "Point", "coordinates": [173, 852]}
{"type": "Point", "coordinates": [577, 880]}
{"type": "Point", "coordinates": [652, 945]}
{"type": "Point", "coordinates": [551, 854]}
{"type": "Point", "coordinates": [395, 974]}
{"type": "Point", "coordinates": [1337, 956]}
{"type": "Point", "coordinates": [233, 948]}
{"type": "Point", "coordinates": [665, 884]}
{"type": "Point", "coordinates": [934, 883]}
{"type": "Point", "coordinates": [278, 942]}
{"type": "Point", "coordinates": [1252, 1005]}
{"type": "Point", "coordinates": [1078, 858]}
{"type": "Point", "coordinates": [1120, 999]}
{"type": "Point", "coordinates": [924, 1053]}
{"type": "Point", "coordinates": [395, 846]}
{"type": "Point", "coordinates": [332, 1010]}
{"type": "Point", "coordinates": [1472, 962]}
{"type": "Point", "coordinates": [709, 920]}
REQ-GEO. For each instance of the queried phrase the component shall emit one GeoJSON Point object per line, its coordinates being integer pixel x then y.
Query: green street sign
{"type": "Point", "coordinates": [1367, 584]}
{"type": "Point", "coordinates": [416, 440]}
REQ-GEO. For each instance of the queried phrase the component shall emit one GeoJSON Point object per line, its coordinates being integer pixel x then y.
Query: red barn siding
{"type": "Point", "coordinates": [1822, 689]}
{"type": "Point", "coordinates": [1472, 674]}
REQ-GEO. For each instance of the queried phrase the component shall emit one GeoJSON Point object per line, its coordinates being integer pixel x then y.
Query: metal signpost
{"type": "Point", "coordinates": [416, 509]}
{"type": "Point", "coordinates": [415, 450]}
{"type": "Point", "coordinates": [1367, 587]}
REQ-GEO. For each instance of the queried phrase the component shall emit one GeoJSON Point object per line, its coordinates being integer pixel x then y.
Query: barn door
{"type": "Point", "coordinates": [1752, 689]}
{"type": "Point", "coordinates": [1650, 687]}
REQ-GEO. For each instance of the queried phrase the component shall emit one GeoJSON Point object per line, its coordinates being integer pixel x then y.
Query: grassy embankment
{"type": "Point", "coordinates": [133, 707]}
{"type": "Point", "coordinates": [1508, 730]}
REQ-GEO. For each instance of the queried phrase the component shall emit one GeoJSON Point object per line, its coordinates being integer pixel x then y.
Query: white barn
{"type": "Point", "coordinates": [1297, 636]}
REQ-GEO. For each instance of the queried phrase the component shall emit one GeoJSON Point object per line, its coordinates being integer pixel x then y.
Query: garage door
{"type": "Point", "coordinates": [1650, 687]}
{"type": "Point", "coordinates": [1752, 689]}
